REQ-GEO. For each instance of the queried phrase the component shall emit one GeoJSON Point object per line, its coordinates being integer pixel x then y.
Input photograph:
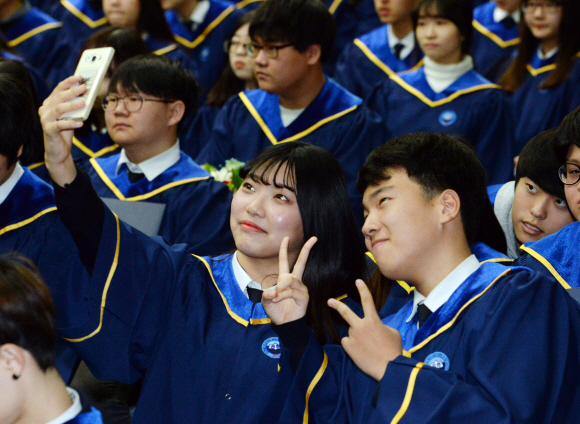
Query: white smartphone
{"type": "Point", "coordinates": [93, 67]}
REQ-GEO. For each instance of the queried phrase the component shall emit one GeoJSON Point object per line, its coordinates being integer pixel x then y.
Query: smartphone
{"type": "Point", "coordinates": [93, 67]}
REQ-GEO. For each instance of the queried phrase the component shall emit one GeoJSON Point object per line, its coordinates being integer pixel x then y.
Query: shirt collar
{"type": "Point", "coordinates": [200, 12]}
{"type": "Point", "coordinates": [548, 55]}
{"type": "Point", "coordinates": [242, 277]}
{"type": "Point", "coordinates": [26, 7]}
{"type": "Point", "coordinates": [152, 167]}
{"type": "Point", "coordinates": [500, 14]}
{"type": "Point", "coordinates": [71, 412]}
{"type": "Point", "coordinates": [441, 76]}
{"type": "Point", "coordinates": [443, 291]}
{"type": "Point", "coordinates": [408, 42]}
{"type": "Point", "coordinates": [10, 183]}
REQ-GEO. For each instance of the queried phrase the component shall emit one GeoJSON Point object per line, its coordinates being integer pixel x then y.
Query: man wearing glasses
{"type": "Point", "coordinates": [557, 254]}
{"type": "Point", "coordinates": [147, 100]}
{"type": "Point", "coordinates": [291, 39]}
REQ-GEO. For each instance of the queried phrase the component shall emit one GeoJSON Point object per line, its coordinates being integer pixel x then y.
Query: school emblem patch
{"type": "Point", "coordinates": [271, 347]}
{"type": "Point", "coordinates": [438, 360]}
{"type": "Point", "coordinates": [204, 54]}
{"type": "Point", "coordinates": [447, 118]}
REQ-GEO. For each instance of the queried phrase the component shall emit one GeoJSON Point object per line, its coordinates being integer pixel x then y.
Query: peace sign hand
{"type": "Point", "coordinates": [370, 343]}
{"type": "Point", "coordinates": [289, 299]}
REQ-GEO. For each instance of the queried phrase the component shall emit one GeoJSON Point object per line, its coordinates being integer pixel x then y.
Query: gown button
{"type": "Point", "coordinates": [228, 396]}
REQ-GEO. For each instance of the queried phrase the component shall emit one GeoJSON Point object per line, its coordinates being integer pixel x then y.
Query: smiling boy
{"type": "Point", "coordinates": [476, 335]}
{"type": "Point", "coordinates": [555, 255]}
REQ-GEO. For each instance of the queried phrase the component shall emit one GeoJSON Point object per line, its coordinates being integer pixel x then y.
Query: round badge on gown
{"type": "Point", "coordinates": [271, 347]}
{"type": "Point", "coordinates": [447, 118]}
{"type": "Point", "coordinates": [438, 360]}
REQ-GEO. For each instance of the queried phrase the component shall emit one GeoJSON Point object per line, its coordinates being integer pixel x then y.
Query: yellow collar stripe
{"type": "Point", "coordinates": [244, 3]}
{"type": "Point", "coordinates": [35, 165]}
{"type": "Point", "coordinates": [450, 323]}
{"type": "Point", "coordinates": [493, 37]}
{"type": "Point", "coordinates": [497, 260]}
{"type": "Point", "coordinates": [106, 288]}
{"type": "Point", "coordinates": [313, 384]}
{"type": "Point", "coordinates": [26, 221]}
{"type": "Point", "coordinates": [258, 118]}
{"type": "Point", "coordinates": [547, 264]}
{"type": "Point", "coordinates": [165, 50]}
{"type": "Point", "coordinates": [32, 33]}
{"type": "Point", "coordinates": [405, 286]}
{"type": "Point", "coordinates": [536, 72]}
{"type": "Point", "coordinates": [88, 21]}
{"type": "Point", "coordinates": [334, 6]}
{"type": "Point", "coordinates": [193, 44]}
{"type": "Point", "coordinates": [372, 57]}
{"type": "Point", "coordinates": [89, 152]}
{"type": "Point", "coordinates": [120, 195]}
{"type": "Point", "coordinates": [408, 394]}
{"type": "Point", "coordinates": [449, 99]}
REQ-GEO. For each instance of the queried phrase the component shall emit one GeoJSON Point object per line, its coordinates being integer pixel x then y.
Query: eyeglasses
{"type": "Point", "coordinates": [132, 103]}
{"type": "Point", "coordinates": [569, 173]}
{"type": "Point", "coordinates": [271, 52]}
{"type": "Point", "coordinates": [229, 44]}
{"type": "Point", "coordinates": [548, 7]}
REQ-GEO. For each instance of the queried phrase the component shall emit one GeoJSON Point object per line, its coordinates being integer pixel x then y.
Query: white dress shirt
{"type": "Point", "coordinates": [289, 115]}
{"type": "Point", "coordinates": [408, 42]}
{"type": "Point", "coordinates": [243, 278]}
{"type": "Point", "coordinates": [152, 167]}
{"type": "Point", "coordinates": [199, 13]}
{"type": "Point", "coordinates": [71, 412]}
{"type": "Point", "coordinates": [10, 183]}
{"type": "Point", "coordinates": [548, 55]}
{"type": "Point", "coordinates": [443, 291]}
{"type": "Point", "coordinates": [500, 14]}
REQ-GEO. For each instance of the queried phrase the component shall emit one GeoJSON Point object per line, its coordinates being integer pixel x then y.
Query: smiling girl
{"type": "Point", "coordinates": [544, 75]}
{"type": "Point", "coordinates": [446, 95]}
{"type": "Point", "coordinates": [191, 324]}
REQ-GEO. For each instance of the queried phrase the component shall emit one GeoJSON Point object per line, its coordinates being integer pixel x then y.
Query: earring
{"type": "Point", "coordinates": [15, 376]}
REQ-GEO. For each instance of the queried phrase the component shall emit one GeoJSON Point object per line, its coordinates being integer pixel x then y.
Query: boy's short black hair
{"type": "Point", "coordinates": [567, 135]}
{"type": "Point", "coordinates": [538, 162]}
{"type": "Point", "coordinates": [299, 22]}
{"type": "Point", "coordinates": [18, 117]}
{"type": "Point", "coordinates": [27, 315]}
{"type": "Point", "coordinates": [438, 162]}
{"type": "Point", "coordinates": [460, 12]}
{"type": "Point", "coordinates": [157, 76]}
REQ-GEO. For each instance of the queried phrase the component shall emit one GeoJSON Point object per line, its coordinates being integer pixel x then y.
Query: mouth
{"type": "Point", "coordinates": [239, 64]}
{"type": "Point", "coordinates": [531, 229]}
{"type": "Point", "coordinates": [261, 75]}
{"type": "Point", "coordinates": [384, 12]}
{"type": "Point", "coordinates": [376, 243]}
{"type": "Point", "coordinates": [251, 227]}
{"type": "Point", "coordinates": [430, 46]}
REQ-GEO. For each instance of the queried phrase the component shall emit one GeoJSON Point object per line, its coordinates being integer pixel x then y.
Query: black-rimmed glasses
{"type": "Point", "coordinates": [569, 173]}
{"type": "Point", "coordinates": [229, 44]}
{"type": "Point", "coordinates": [271, 52]}
{"type": "Point", "coordinates": [132, 103]}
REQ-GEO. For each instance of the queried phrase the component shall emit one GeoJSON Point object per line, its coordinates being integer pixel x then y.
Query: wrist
{"type": "Point", "coordinates": [62, 172]}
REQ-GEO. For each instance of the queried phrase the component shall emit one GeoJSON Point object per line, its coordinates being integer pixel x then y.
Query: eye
{"type": "Point", "coordinates": [281, 197]}
{"type": "Point", "coordinates": [383, 200]}
{"type": "Point", "coordinates": [561, 203]}
{"type": "Point", "coordinates": [270, 50]}
{"type": "Point", "coordinates": [134, 99]}
{"type": "Point", "coordinates": [248, 186]}
{"type": "Point", "coordinates": [531, 188]}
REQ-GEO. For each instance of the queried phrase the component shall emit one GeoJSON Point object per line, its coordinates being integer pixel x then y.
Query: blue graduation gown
{"type": "Point", "coordinates": [368, 60]}
{"type": "Point", "coordinates": [504, 348]}
{"type": "Point", "coordinates": [366, 17]}
{"type": "Point", "coordinates": [197, 207]}
{"type": "Point", "coordinates": [29, 225]}
{"type": "Point", "coordinates": [335, 121]}
{"type": "Point", "coordinates": [172, 51]}
{"type": "Point", "coordinates": [209, 353]}
{"type": "Point", "coordinates": [555, 255]}
{"type": "Point", "coordinates": [206, 44]}
{"type": "Point", "coordinates": [537, 110]}
{"type": "Point", "coordinates": [471, 107]}
{"type": "Point", "coordinates": [39, 82]}
{"type": "Point", "coordinates": [80, 20]}
{"type": "Point", "coordinates": [39, 39]}
{"type": "Point", "coordinates": [493, 44]}
{"type": "Point", "coordinates": [196, 130]}
{"type": "Point", "coordinates": [93, 145]}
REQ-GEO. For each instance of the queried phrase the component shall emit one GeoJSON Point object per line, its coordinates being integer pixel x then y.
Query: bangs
{"type": "Point", "coordinates": [267, 172]}
{"type": "Point", "coordinates": [430, 9]}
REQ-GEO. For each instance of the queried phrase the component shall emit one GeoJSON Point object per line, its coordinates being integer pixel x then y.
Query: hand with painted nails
{"type": "Point", "coordinates": [289, 299]}
{"type": "Point", "coordinates": [370, 343]}
{"type": "Point", "coordinates": [58, 133]}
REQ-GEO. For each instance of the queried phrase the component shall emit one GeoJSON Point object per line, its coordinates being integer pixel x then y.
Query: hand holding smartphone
{"type": "Point", "coordinates": [92, 66]}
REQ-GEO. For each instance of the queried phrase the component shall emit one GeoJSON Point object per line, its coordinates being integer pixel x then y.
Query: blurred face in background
{"type": "Point", "coordinates": [242, 65]}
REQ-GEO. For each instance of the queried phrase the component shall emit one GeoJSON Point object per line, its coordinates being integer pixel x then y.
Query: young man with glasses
{"type": "Point", "coordinates": [147, 100]}
{"type": "Point", "coordinates": [290, 41]}
{"type": "Point", "coordinates": [557, 254]}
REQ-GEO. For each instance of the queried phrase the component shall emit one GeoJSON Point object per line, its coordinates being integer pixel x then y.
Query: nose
{"type": "Point", "coordinates": [370, 226]}
{"type": "Point", "coordinates": [430, 30]}
{"type": "Point", "coordinates": [540, 208]}
{"type": "Point", "coordinates": [261, 59]}
{"type": "Point", "coordinates": [120, 108]}
{"type": "Point", "coordinates": [255, 206]}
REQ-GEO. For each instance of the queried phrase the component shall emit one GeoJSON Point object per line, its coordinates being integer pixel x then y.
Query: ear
{"type": "Point", "coordinates": [20, 151]}
{"type": "Point", "coordinates": [175, 112]}
{"type": "Point", "coordinates": [12, 359]}
{"type": "Point", "coordinates": [313, 54]}
{"type": "Point", "coordinates": [450, 206]}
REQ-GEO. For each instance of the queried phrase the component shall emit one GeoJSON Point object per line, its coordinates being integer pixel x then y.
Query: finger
{"type": "Point", "coordinates": [345, 312]}
{"type": "Point", "coordinates": [64, 125]}
{"type": "Point", "coordinates": [300, 265]}
{"type": "Point", "coordinates": [289, 281]}
{"type": "Point", "coordinates": [297, 295]}
{"type": "Point", "coordinates": [366, 300]}
{"type": "Point", "coordinates": [283, 267]}
{"type": "Point", "coordinates": [66, 90]}
{"type": "Point", "coordinates": [53, 109]}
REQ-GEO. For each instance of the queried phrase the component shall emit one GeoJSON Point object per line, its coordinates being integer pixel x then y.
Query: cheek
{"type": "Point", "coordinates": [290, 224]}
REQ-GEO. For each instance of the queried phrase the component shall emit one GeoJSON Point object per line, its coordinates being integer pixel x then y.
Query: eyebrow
{"type": "Point", "coordinates": [377, 192]}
